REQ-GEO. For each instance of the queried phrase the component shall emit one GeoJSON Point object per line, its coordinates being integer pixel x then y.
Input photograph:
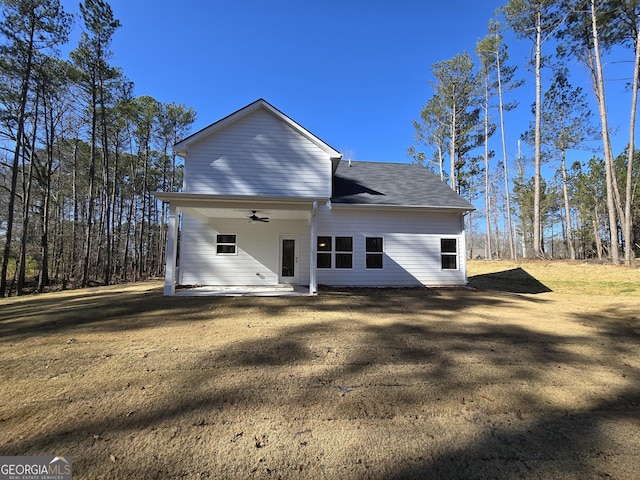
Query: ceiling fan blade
{"type": "Point", "coordinates": [255, 218]}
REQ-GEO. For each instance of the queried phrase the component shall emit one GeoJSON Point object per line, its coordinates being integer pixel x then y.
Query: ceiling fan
{"type": "Point", "coordinates": [255, 218]}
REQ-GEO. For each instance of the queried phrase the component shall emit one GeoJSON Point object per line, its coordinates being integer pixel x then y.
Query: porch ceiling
{"type": "Point", "coordinates": [206, 206]}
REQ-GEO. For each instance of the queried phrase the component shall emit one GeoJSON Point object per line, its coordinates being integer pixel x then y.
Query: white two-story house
{"type": "Point", "coordinates": [266, 203]}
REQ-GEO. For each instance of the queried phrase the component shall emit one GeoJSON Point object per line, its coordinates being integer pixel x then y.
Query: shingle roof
{"type": "Point", "coordinates": [397, 184]}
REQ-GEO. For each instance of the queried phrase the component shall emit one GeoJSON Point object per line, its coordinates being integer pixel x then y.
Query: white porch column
{"type": "Point", "coordinates": [313, 281]}
{"type": "Point", "coordinates": [172, 249]}
{"type": "Point", "coordinates": [462, 255]}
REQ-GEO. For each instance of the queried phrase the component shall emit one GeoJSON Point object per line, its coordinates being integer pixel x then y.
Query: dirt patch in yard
{"type": "Point", "coordinates": [533, 373]}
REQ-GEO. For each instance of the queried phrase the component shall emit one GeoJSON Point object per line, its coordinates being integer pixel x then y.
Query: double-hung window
{"type": "Point", "coordinates": [336, 252]}
{"type": "Point", "coordinates": [226, 244]}
{"type": "Point", "coordinates": [374, 249]}
{"type": "Point", "coordinates": [344, 252]}
{"type": "Point", "coordinates": [449, 253]}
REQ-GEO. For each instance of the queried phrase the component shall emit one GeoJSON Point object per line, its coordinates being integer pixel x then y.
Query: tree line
{"type": "Point", "coordinates": [80, 154]}
{"type": "Point", "coordinates": [586, 209]}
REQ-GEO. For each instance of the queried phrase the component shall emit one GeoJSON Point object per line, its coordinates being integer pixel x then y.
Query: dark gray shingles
{"type": "Point", "coordinates": [374, 183]}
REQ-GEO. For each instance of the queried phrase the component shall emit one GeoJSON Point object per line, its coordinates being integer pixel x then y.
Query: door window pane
{"type": "Point", "coordinates": [288, 257]}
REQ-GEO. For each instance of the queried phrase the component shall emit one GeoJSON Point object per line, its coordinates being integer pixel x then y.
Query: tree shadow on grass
{"type": "Point", "coordinates": [108, 311]}
{"type": "Point", "coordinates": [560, 445]}
{"type": "Point", "coordinates": [515, 280]}
{"type": "Point", "coordinates": [257, 375]}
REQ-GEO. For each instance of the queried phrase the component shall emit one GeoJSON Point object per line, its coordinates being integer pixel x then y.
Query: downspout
{"type": "Point", "coordinates": [313, 281]}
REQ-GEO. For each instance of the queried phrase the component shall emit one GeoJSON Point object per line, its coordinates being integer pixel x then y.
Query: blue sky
{"type": "Point", "coordinates": [353, 72]}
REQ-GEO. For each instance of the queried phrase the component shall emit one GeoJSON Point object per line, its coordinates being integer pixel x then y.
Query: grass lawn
{"type": "Point", "coordinates": [534, 373]}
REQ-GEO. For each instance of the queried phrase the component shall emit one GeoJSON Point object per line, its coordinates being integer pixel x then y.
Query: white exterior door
{"type": "Point", "coordinates": [288, 259]}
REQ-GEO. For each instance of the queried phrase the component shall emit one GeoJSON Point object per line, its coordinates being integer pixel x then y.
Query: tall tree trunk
{"type": "Point", "coordinates": [512, 245]}
{"type": "Point", "coordinates": [27, 182]}
{"type": "Point", "coordinates": [76, 208]}
{"type": "Point", "coordinates": [24, 92]}
{"type": "Point", "coordinates": [596, 232]}
{"type": "Point", "coordinates": [537, 224]}
{"type": "Point", "coordinates": [125, 251]}
{"type": "Point", "coordinates": [114, 193]}
{"type": "Point", "coordinates": [608, 154]}
{"type": "Point", "coordinates": [567, 210]}
{"type": "Point", "coordinates": [143, 211]}
{"type": "Point", "coordinates": [628, 224]}
{"type": "Point", "coordinates": [452, 151]}
{"type": "Point", "coordinates": [440, 164]}
{"type": "Point", "coordinates": [495, 210]}
{"type": "Point", "coordinates": [27, 185]}
{"type": "Point", "coordinates": [92, 174]}
{"type": "Point", "coordinates": [487, 201]}
{"type": "Point", "coordinates": [43, 277]}
{"type": "Point", "coordinates": [106, 174]}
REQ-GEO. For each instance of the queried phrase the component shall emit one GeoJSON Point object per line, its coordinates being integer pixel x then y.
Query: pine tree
{"type": "Point", "coordinates": [90, 59]}
{"type": "Point", "coordinates": [535, 19]}
{"type": "Point", "coordinates": [456, 87]}
{"type": "Point", "coordinates": [565, 126]}
{"type": "Point", "coordinates": [31, 28]}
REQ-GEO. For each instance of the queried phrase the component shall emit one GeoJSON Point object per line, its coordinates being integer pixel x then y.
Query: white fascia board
{"type": "Point", "coordinates": [181, 198]}
{"type": "Point", "coordinates": [367, 206]}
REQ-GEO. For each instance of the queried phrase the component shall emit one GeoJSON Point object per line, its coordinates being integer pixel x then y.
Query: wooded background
{"type": "Point", "coordinates": [81, 155]}
{"type": "Point", "coordinates": [588, 209]}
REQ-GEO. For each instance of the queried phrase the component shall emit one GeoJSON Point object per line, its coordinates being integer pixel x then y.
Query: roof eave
{"type": "Point", "coordinates": [181, 197]}
{"type": "Point", "coordinates": [377, 206]}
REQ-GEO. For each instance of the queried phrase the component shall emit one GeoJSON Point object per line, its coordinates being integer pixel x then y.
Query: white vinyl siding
{"type": "Point", "coordinates": [258, 155]}
{"type": "Point", "coordinates": [412, 249]}
{"type": "Point", "coordinates": [256, 261]}
{"type": "Point", "coordinates": [412, 246]}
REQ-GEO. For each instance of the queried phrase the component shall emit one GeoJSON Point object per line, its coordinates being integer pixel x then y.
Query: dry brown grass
{"type": "Point", "coordinates": [536, 374]}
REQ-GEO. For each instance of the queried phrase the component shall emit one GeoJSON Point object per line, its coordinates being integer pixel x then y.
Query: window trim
{"type": "Point", "coordinates": [343, 253]}
{"type": "Point", "coordinates": [447, 254]}
{"type": "Point", "coordinates": [324, 253]}
{"type": "Point", "coordinates": [333, 252]}
{"type": "Point", "coordinates": [373, 253]}
{"type": "Point", "coordinates": [234, 244]}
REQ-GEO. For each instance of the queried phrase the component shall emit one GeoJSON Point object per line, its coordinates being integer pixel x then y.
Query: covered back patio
{"type": "Point", "coordinates": [271, 249]}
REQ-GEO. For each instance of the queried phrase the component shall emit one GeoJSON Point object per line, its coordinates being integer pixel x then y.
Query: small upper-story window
{"type": "Point", "coordinates": [226, 244]}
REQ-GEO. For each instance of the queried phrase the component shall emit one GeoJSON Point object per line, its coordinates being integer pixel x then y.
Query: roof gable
{"type": "Point", "coordinates": [393, 184]}
{"type": "Point", "coordinates": [181, 148]}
